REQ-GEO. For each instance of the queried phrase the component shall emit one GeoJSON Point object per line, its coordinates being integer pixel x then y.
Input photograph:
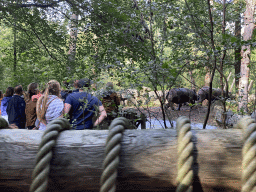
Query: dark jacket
{"type": "Point", "coordinates": [16, 111]}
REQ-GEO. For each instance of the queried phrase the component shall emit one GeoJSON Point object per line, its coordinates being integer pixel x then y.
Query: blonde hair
{"type": "Point", "coordinates": [52, 88]}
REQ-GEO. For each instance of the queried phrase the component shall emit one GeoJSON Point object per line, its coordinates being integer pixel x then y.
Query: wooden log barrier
{"type": "Point", "coordinates": [148, 160]}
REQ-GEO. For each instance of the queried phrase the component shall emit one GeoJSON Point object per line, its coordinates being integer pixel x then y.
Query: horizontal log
{"type": "Point", "coordinates": [148, 160]}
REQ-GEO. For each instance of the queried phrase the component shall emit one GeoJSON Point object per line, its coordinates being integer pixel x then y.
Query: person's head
{"type": "Point", "coordinates": [85, 82]}
{"type": "Point", "coordinates": [9, 92]}
{"type": "Point", "coordinates": [76, 84]}
{"type": "Point", "coordinates": [32, 89]}
{"type": "Point", "coordinates": [53, 88]}
{"type": "Point", "coordinates": [18, 90]}
{"type": "Point", "coordinates": [65, 84]}
{"type": "Point", "coordinates": [1, 94]}
{"type": "Point", "coordinates": [68, 84]}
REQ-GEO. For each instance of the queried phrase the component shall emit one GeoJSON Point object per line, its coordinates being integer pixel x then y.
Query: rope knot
{"type": "Point", "coordinates": [185, 155]}
{"type": "Point", "coordinates": [249, 154]}
{"type": "Point", "coordinates": [42, 169]}
{"type": "Point", "coordinates": [112, 150]}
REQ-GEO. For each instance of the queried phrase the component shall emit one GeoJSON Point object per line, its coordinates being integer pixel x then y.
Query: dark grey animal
{"type": "Point", "coordinates": [203, 94]}
{"type": "Point", "coordinates": [180, 96]}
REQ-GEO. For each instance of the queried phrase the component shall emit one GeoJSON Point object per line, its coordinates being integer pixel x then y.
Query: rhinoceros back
{"type": "Point", "coordinates": [181, 95]}
{"type": "Point", "coordinates": [204, 93]}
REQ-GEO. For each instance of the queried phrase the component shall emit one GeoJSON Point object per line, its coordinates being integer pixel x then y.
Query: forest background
{"type": "Point", "coordinates": [159, 44]}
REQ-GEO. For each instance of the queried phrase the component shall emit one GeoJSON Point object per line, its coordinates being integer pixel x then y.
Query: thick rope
{"type": "Point", "coordinates": [112, 150]}
{"type": "Point", "coordinates": [42, 169]}
{"type": "Point", "coordinates": [249, 154]}
{"type": "Point", "coordinates": [3, 123]}
{"type": "Point", "coordinates": [185, 156]}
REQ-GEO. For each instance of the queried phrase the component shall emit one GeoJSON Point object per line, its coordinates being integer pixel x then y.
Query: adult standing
{"type": "Point", "coordinates": [7, 96]}
{"type": "Point", "coordinates": [64, 93]}
{"type": "Point", "coordinates": [49, 106]}
{"type": "Point", "coordinates": [110, 101]}
{"type": "Point", "coordinates": [31, 105]}
{"type": "Point", "coordinates": [16, 108]}
{"type": "Point", "coordinates": [81, 107]}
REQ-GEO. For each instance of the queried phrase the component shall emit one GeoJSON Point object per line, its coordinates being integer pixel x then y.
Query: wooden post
{"type": "Point", "coordinates": [148, 160]}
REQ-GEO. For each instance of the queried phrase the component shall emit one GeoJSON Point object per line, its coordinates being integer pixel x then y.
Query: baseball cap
{"type": "Point", "coordinates": [85, 82]}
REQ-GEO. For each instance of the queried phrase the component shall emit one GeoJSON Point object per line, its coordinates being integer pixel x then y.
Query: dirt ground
{"type": "Point", "coordinates": [196, 114]}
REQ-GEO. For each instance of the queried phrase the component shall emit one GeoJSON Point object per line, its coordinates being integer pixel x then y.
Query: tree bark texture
{"type": "Point", "coordinates": [231, 87]}
{"type": "Point", "coordinates": [250, 86]}
{"type": "Point", "coordinates": [207, 77]}
{"type": "Point", "coordinates": [148, 160]}
{"type": "Point", "coordinates": [72, 44]}
{"type": "Point", "coordinates": [245, 53]}
{"type": "Point", "coordinates": [237, 53]}
{"type": "Point", "coordinates": [225, 86]}
{"type": "Point", "coordinates": [224, 52]}
{"type": "Point", "coordinates": [214, 61]}
{"type": "Point", "coordinates": [192, 80]}
{"type": "Point", "coordinates": [14, 49]}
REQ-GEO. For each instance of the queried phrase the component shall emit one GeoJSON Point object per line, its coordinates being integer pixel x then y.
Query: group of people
{"type": "Point", "coordinates": [36, 108]}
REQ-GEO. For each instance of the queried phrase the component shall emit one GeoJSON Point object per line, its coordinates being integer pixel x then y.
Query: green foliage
{"type": "Point", "coordinates": [39, 46]}
{"type": "Point", "coordinates": [147, 43]}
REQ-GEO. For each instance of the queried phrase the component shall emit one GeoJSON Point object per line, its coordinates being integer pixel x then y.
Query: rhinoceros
{"type": "Point", "coordinates": [180, 96]}
{"type": "Point", "coordinates": [203, 94]}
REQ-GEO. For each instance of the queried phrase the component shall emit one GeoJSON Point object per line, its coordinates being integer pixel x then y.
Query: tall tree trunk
{"type": "Point", "coordinates": [237, 52]}
{"type": "Point", "coordinates": [245, 53]}
{"type": "Point", "coordinates": [237, 49]}
{"type": "Point", "coordinates": [250, 86]}
{"type": "Point", "coordinates": [192, 79]}
{"type": "Point", "coordinates": [214, 63]}
{"type": "Point", "coordinates": [72, 44]}
{"type": "Point", "coordinates": [231, 87]}
{"type": "Point", "coordinates": [223, 92]}
{"type": "Point", "coordinates": [225, 86]}
{"type": "Point", "coordinates": [14, 50]}
{"type": "Point", "coordinates": [190, 72]}
{"type": "Point", "coordinates": [224, 52]}
{"type": "Point", "coordinates": [207, 77]}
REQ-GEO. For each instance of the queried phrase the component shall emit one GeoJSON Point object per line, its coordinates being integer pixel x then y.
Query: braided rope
{"type": "Point", "coordinates": [185, 156]}
{"type": "Point", "coordinates": [42, 169]}
{"type": "Point", "coordinates": [249, 154]}
{"type": "Point", "coordinates": [3, 123]}
{"type": "Point", "coordinates": [112, 150]}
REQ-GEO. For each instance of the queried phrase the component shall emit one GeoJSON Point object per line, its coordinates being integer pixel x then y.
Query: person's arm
{"type": "Point", "coordinates": [37, 123]}
{"type": "Point", "coordinates": [2, 106]}
{"type": "Point", "coordinates": [103, 115]}
{"type": "Point", "coordinates": [67, 108]}
{"type": "Point", "coordinates": [13, 126]}
{"type": "Point", "coordinates": [61, 116]}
